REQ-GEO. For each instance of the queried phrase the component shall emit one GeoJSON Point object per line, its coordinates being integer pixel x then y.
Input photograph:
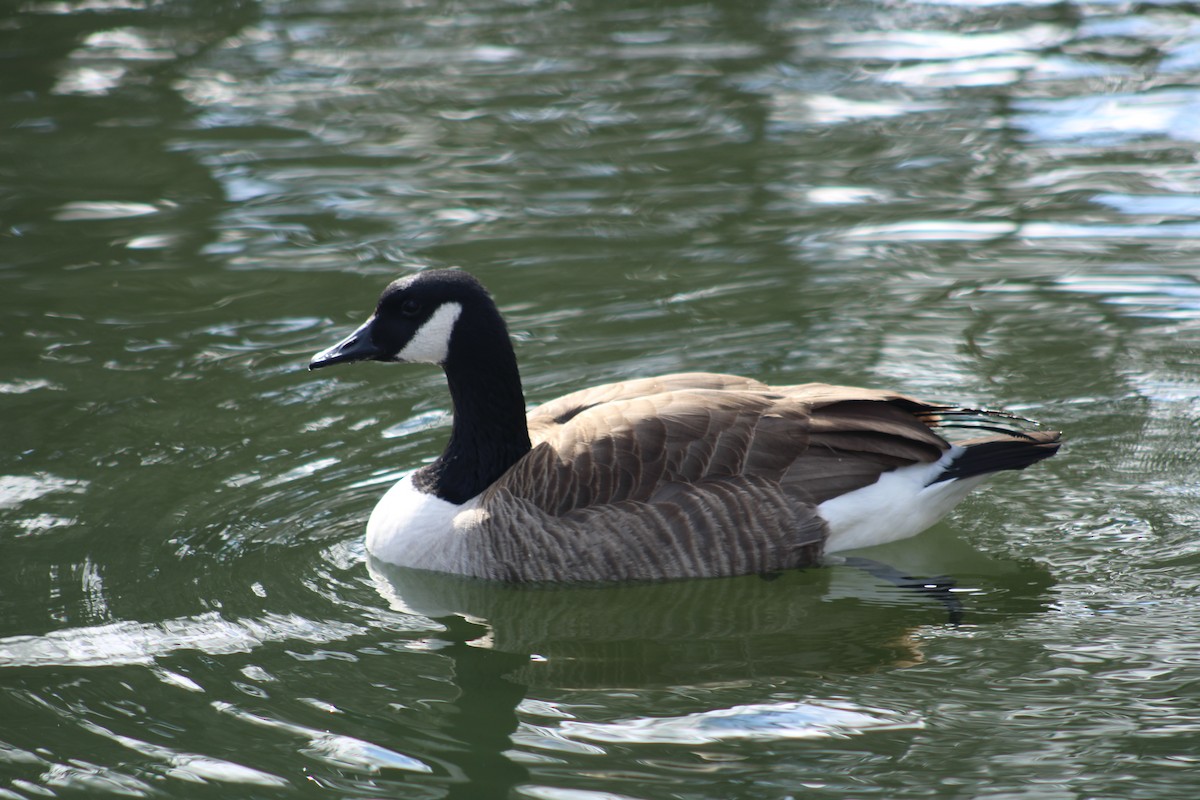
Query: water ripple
{"type": "Point", "coordinates": [190, 767]}
{"type": "Point", "coordinates": [988, 202]}
{"type": "Point", "coordinates": [769, 721]}
{"type": "Point", "coordinates": [1113, 118]}
{"type": "Point", "coordinates": [128, 642]}
{"type": "Point", "coordinates": [1148, 295]}
{"type": "Point", "coordinates": [336, 749]}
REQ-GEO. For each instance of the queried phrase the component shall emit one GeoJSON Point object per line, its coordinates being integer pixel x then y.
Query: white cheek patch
{"type": "Point", "coordinates": [431, 343]}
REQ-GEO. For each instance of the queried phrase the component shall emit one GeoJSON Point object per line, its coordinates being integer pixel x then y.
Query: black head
{"type": "Point", "coordinates": [414, 321]}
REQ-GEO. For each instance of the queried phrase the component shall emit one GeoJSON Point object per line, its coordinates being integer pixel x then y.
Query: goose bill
{"type": "Point", "coordinates": [358, 346]}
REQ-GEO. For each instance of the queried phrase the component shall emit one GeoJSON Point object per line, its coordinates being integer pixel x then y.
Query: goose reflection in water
{"type": "Point", "coordinates": [734, 658]}
{"type": "Point", "coordinates": [796, 623]}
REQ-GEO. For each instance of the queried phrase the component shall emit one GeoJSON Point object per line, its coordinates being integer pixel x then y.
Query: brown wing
{"type": "Point", "coordinates": [624, 441]}
{"type": "Point", "coordinates": [690, 475]}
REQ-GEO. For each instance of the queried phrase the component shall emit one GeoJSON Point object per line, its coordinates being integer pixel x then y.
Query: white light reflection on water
{"type": "Point", "coordinates": [1146, 204]}
{"type": "Point", "coordinates": [944, 45]}
{"type": "Point", "coordinates": [129, 642]}
{"type": "Point", "coordinates": [1153, 296]}
{"type": "Point", "coordinates": [768, 721]}
{"type": "Point", "coordinates": [191, 766]}
{"type": "Point", "coordinates": [1112, 118]}
{"type": "Point", "coordinates": [18, 489]}
{"type": "Point", "coordinates": [337, 749]}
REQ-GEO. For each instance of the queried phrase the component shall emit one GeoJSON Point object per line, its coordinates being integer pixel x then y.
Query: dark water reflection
{"type": "Point", "coordinates": [989, 203]}
{"type": "Point", "coordinates": [677, 634]}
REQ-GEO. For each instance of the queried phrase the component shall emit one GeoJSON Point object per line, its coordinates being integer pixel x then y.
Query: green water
{"type": "Point", "coordinates": [994, 204]}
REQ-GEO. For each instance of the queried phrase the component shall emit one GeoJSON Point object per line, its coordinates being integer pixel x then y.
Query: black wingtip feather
{"type": "Point", "coordinates": [982, 419]}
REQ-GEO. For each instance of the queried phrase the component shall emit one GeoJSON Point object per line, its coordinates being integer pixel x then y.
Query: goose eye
{"type": "Point", "coordinates": [410, 307]}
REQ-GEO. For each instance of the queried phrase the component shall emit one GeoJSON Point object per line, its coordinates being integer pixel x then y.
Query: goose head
{"type": "Point", "coordinates": [418, 320]}
{"type": "Point", "coordinates": [446, 317]}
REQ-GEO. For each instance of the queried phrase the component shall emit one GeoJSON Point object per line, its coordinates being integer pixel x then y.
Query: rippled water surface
{"type": "Point", "coordinates": [993, 203]}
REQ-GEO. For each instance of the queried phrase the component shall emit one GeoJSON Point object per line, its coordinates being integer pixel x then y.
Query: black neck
{"type": "Point", "coordinates": [489, 433]}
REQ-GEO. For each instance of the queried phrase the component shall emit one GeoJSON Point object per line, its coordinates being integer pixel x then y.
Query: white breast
{"type": "Point", "coordinates": [413, 529]}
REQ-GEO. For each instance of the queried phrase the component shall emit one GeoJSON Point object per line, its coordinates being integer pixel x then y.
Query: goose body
{"type": "Point", "coordinates": [684, 475]}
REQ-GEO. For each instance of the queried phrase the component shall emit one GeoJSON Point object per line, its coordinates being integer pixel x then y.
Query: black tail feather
{"type": "Point", "coordinates": [1001, 453]}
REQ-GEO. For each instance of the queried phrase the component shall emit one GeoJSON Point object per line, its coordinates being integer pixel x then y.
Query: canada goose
{"type": "Point", "coordinates": [686, 475]}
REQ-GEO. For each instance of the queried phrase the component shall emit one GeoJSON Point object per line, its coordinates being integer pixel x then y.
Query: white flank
{"type": "Point", "coordinates": [431, 343]}
{"type": "Point", "coordinates": [410, 528]}
{"type": "Point", "coordinates": [902, 503]}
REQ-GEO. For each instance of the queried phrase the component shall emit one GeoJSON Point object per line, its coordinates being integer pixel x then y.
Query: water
{"type": "Point", "coordinates": [992, 203]}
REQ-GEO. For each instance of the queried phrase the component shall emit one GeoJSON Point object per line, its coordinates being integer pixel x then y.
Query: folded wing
{"type": "Point", "coordinates": [657, 478]}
